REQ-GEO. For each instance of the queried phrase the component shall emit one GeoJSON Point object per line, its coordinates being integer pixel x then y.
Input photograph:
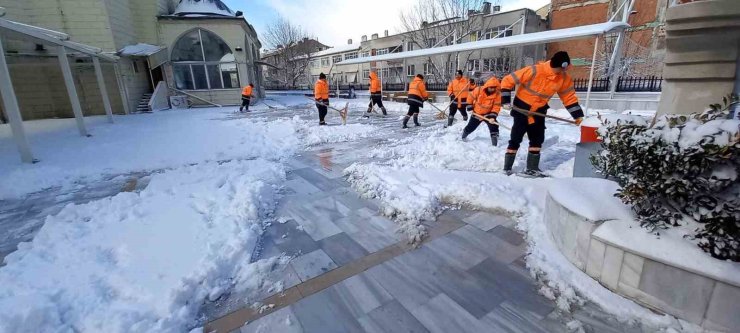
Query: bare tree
{"type": "Point", "coordinates": [292, 49]}
{"type": "Point", "coordinates": [435, 23]}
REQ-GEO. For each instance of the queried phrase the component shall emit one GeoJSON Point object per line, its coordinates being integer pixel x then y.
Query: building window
{"type": "Point", "coordinates": [411, 70]}
{"type": "Point", "coordinates": [351, 55]}
{"type": "Point", "coordinates": [428, 68]}
{"type": "Point", "coordinates": [365, 54]}
{"type": "Point", "coordinates": [325, 62]}
{"type": "Point", "coordinates": [474, 65]}
{"type": "Point", "coordinates": [365, 74]}
{"type": "Point", "coordinates": [337, 58]}
{"type": "Point", "coordinates": [202, 61]}
{"type": "Point", "coordinates": [432, 42]}
{"type": "Point", "coordinates": [503, 31]}
{"type": "Point", "coordinates": [409, 46]}
{"type": "Point", "coordinates": [381, 51]}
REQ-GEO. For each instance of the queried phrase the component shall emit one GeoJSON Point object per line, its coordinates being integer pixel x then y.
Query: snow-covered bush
{"type": "Point", "coordinates": [681, 167]}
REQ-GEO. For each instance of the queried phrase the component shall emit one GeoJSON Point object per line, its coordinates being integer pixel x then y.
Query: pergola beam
{"type": "Point", "coordinates": [71, 90]}
{"type": "Point", "coordinates": [10, 103]}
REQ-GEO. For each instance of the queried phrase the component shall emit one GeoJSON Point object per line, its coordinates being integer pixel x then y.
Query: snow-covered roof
{"type": "Point", "coordinates": [338, 49]}
{"type": "Point", "coordinates": [139, 50]}
{"type": "Point", "coordinates": [202, 8]}
{"type": "Point", "coordinates": [516, 40]}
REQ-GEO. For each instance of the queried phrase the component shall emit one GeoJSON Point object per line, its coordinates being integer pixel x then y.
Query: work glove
{"type": "Point", "coordinates": [506, 107]}
{"type": "Point", "coordinates": [492, 116]}
{"type": "Point", "coordinates": [452, 97]}
{"type": "Point", "coordinates": [579, 121]}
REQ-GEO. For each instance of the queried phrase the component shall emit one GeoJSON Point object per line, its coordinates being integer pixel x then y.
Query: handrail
{"type": "Point", "coordinates": [156, 102]}
{"type": "Point", "coordinates": [196, 97]}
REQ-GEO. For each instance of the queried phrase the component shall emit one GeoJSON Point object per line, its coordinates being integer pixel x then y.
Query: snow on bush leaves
{"type": "Point", "coordinates": [682, 167]}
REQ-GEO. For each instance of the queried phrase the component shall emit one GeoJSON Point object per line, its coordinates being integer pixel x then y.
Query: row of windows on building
{"type": "Point", "coordinates": [495, 32]}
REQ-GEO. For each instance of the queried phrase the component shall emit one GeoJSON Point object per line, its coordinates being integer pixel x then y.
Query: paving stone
{"type": "Point", "coordinates": [361, 294]}
{"type": "Point", "coordinates": [312, 264]}
{"type": "Point", "coordinates": [283, 321]}
{"type": "Point", "coordinates": [296, 242]}
{"type": "Point", "coordinates": [442, 315]}
{"type": "Point", "coordinates": [326, 313]}
{"type": "Point", "coordinates": [489, 244]}
{"type": "Point", "coordinates": [486, 221]}
{"type": "Point", "coordinates": [342, 249]}
{"type": "Point", "coordinates": [391, 317]}
{"type": "Point", "coordinates": [456, 251]}
{"type": "Point", "coordinates": [318, 180]}
{"type": "Point", "coordinates": [508, 235]}
{"type": "Point", "coordinates": [509, 318]}
{"type": "Point", "coordinates": [410, 288]}
{"type": "Point", "coordinates": [315, 219]}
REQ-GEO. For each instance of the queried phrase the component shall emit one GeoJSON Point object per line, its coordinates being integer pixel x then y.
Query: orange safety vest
{"type": "Point", "coordinates": [417, 89]}
{"type": "Point", "coordinates": [538, 83]}
{"type": "Point", "coordinates": [459, 88]}
{"type": "Point", "coordinates": [247, 91]}
{"type": "Point", "coordinates": [375, 88]}
{"type": "Point", "coordinates": [321, 90]}
{"type": "Point", "coordinates": [484, 104]}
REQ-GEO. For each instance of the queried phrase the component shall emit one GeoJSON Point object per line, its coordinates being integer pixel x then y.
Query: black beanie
{"type": "Point", "coordinates": [420, 76]}
{"type": "Point", "coordinates": [459, 72]}
{"type": "Point", "coordinates": [561, 59]}
{"type": "Point", "coordinates": [322, 76]}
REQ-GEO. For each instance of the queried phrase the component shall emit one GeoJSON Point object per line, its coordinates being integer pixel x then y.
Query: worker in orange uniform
{"type": "Point", "coordinates": [321, 95]}
{"type": "Point", "coordinates": [458, 92]}
{"type": "Point", "coordinates": [376, 94]}
{"type": "Point", "coordinates": [246, 97]}
{"type": "Point", "coordinates": [417, 94]}
{"type": "Point", "coordinates": [486, 102]}
{"type": "Point", "coordinates": [536, 85]}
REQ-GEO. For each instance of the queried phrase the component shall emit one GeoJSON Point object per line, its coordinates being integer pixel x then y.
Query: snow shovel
{"type": "Point", "coordinates": [268, 105]}
{"type": "Point", "coordinates": [441, 114]}
{"type": "Point", "coordinates": [530, 113]}
{"type": "Point", "coordinates": [490, 121]}
{"type": "Point", "coordinates": [342, 112]}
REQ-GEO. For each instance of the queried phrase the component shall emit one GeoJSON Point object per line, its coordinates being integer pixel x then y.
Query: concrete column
{"type": "Point", "coordinates": [702, 45]}
{"type": "Point", "coordinates": [10, 104]}
{"type": "Point", "coordinates": [71, 90]}
{"type": "Point", "coordinates": [103, 89]}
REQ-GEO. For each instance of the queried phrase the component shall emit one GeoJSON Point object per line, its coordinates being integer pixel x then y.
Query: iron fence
{"type": "Point", "coordinates": [624, 84]}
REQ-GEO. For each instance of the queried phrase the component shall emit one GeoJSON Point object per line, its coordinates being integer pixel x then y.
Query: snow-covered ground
{"type": "Point", "coordinates": [146, 261]}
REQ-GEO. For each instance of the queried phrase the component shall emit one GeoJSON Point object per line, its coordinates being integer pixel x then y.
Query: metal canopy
{"type": "Point", "coordinates": [516, 40]}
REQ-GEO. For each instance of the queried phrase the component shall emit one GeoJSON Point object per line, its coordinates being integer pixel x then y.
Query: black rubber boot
{"type": "Point", "coordinates": [494, 139]}
{"type": "Point", "coordinates": [385, 113]}
{"type": "Point", "coordinates": [416, 119]}
{"type": "Point", "coordinates": [509, 162]}
{"type": "Point", "coordinates": [450, 119]}
{"type": "Point", "coordinates": [465, 136]}
{"type": "Point", "coordinates": [405, 122]}
{"type": "Point", "coordinates": [533, 164]}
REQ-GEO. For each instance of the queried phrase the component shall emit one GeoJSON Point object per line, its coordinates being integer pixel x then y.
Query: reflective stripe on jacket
{"type": "Point", "coordinates": [417, 91]}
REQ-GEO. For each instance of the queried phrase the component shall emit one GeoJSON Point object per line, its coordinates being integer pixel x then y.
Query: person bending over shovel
{"type": "Point", "coordinates": [486, 102]}
{"type": "Point", "coordinates": [536, 85]}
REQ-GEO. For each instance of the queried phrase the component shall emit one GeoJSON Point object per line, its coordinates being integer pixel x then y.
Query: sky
{"type": "Point", "coordinates": [333, 22]}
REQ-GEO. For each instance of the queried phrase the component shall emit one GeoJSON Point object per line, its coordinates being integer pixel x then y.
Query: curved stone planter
{"type": "Point", "coordinates": [669, 274]}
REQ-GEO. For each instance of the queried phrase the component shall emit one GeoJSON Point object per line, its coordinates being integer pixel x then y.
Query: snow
{"type": "Point", "coordinates": [522, 39]}
{"type": "Point", "coordinates": [671, 247]}
{"type": "Point", "coordinates": [215, 7]}
{"type": "Point", "coordinates": [141, 261]}
{"type": "Point", "coordinates": [140, 49]}
{"type": "Point", "coordinates": [592, 198]}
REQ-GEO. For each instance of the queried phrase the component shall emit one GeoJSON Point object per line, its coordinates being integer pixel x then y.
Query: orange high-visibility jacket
{"type": "Point", "coordinates": [537, 84]}
{"type": "Point", "coordinates": [459, 88]}
{"type": "Point", "coordinates": [375, 88]}
{"type": "Point", "coordinates": [472, 87]}
{"type": "Point", "coordinates": [484, 104]}
{"type": "Point", "coordinates": [417, 91]}
{"type": "Point", "coordinates": [247, 91]}
{"type": "Point", "coordinates": [321, 90]}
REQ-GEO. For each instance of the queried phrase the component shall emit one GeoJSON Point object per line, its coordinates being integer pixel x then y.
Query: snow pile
{"type": "Point", "coordinates": [596, 204]}
{"type": "Point", "coordinates": [139, 49]}
{"type": "Point", "coordinates": [134, 143]}
{"type": "Point", "coordinates": [141, 261]}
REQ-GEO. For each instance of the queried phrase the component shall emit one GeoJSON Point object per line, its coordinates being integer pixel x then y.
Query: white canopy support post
{"type": "Point", "coordinates": [103, 89]}
{"type": "Point", "coordinates": [591, 74]}
{"type": "Point", "coordinates": [71, 90]}
{"type": "Point", "coordinates": [614, 66]}
{"type": "Point", "coordinates": [10, 104]}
